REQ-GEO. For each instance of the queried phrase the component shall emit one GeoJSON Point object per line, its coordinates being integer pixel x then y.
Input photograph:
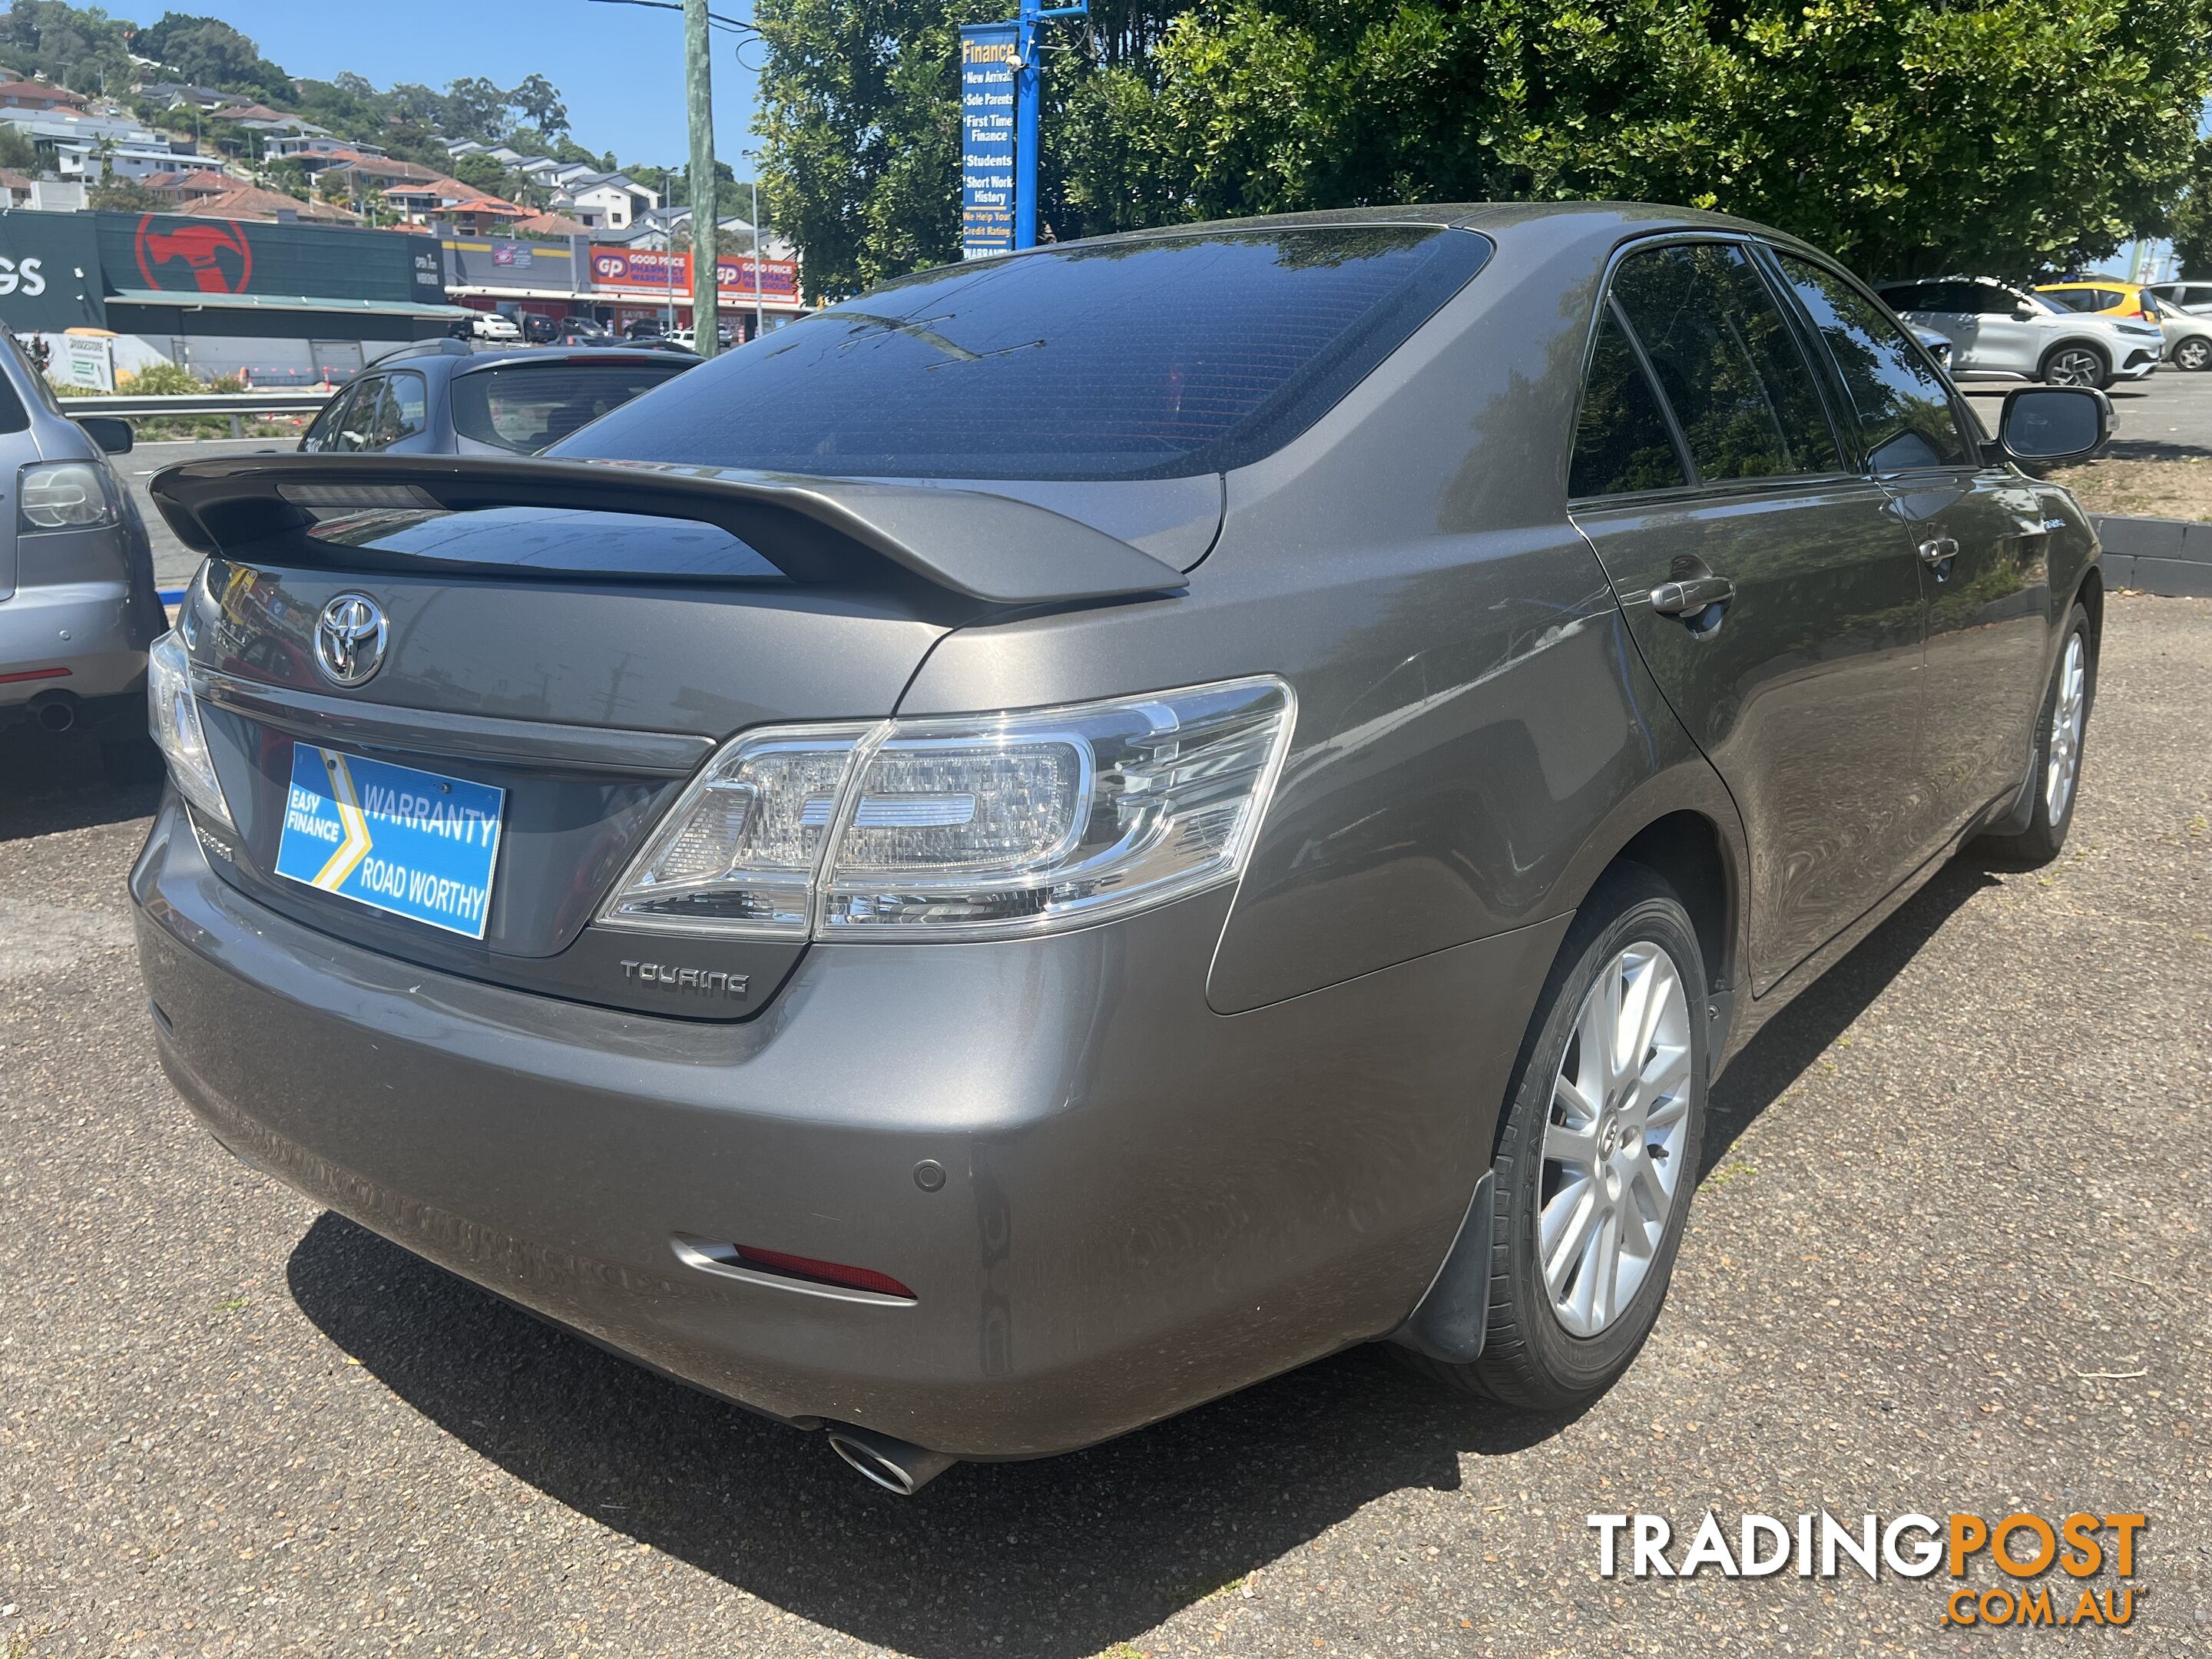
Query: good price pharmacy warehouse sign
{"type": "Point", "coordinates": [2093, 1557]}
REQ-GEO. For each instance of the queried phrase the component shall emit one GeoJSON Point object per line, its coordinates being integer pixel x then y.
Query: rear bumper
{"type": "Point", "coordinates": [1146, 1204]}
{"type": "Point", "coordinates": [91, 629]}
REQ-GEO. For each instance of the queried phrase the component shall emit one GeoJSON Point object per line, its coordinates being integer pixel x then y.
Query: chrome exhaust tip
{"type": "Point", "coordinates": [895, 1465]}
{"type": "Point", "coordinates": [56, 711]}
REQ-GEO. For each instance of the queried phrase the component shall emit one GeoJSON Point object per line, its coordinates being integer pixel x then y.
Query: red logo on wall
{"type": "Point", "coordinates": [211, 256]}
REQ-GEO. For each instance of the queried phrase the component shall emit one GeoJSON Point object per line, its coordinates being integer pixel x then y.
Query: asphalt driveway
{"type": "Point", "coordinates": [1952, 1251]}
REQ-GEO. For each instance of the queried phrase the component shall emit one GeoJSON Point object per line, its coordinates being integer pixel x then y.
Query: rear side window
{"type": "Point", "coordinates": [1741, 392]}
{"type": "Point", "coordinates": [526, 406]}
{"type": "Point", "coordinates": [402, 412]}
{"type": "Point", "coordinates": [359, 420]}
{"type": "Point", "coordinates": [1621, 440]}
{"type": "Point", "coordinates": [1905, 416]}
{"type": "Point", "coordinates": [1160, 358]}
{"type": "Point", "coordinates": [1950, 298]}
{"type": "Point", "coordinates": [2073, 299]}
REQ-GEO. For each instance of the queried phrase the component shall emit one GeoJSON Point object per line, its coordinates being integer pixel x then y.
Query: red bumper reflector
{"type": "Point", "coordinates": [35, 674]}
{"type": "Point", "coordinates": [825, 1272]}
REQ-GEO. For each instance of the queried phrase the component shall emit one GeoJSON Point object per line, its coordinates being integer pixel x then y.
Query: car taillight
{"type": "Point", "coordinates": [65, 495]}
{"type": "Point", "coordinates": [173, 716]}
{"type": "Point", "coordinates": [967, 827]}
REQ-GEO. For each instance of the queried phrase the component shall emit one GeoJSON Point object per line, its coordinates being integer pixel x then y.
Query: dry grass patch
{"type": "Point", "coordinates": [2179, 489]}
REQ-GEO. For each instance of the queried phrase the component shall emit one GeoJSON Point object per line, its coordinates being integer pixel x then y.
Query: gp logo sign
{"type": "Point", "coordinates": [211, 256]}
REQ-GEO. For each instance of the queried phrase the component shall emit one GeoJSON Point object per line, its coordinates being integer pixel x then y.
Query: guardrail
{"type": "Point", "coordinates": [291, 400]}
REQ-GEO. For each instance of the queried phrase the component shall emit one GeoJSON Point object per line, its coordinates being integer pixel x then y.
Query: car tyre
{"type": "Point", "coordinates": [1533, 1356]}
{"type": "Point", "coordinates": [2075, 364]}
{"type": "Point", "coordinates": [2194, 354]}
{"type": "Point", "coordinates": [2061, 728]}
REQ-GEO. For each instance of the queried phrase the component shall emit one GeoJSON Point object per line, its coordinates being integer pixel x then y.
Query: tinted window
{"type": "Point", "coordinates": [2073, 299]}
{"type": "Point", "coordinates": [358, 418]}
{"type": "Point", "coordinates": [1903, 414]}
{"type": "Point", "coordinates": [318, 435]}
{"type": "Point", "coordinates": [1956, 298]}
{"type": "Point", "coordinates": [526, 406]}
{"type": "Point", "coordinates": [1621, 439]}
{"type": "Point", "coordinates": [1725, 358]}
{"type": "Point", "coordinates": [1159, 358]}
{"type": "Point", "coordinates": [402, 412]}
{"type": "Point", "coordinates": [554, 538]}
{"type": "Point", "coordinates": [1999, 301]}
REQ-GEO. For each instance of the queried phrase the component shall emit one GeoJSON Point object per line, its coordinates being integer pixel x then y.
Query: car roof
{"type": "Point", "coordinates": [2093, 282]}
{"type": "Point", "coordinates": [1605, 222]}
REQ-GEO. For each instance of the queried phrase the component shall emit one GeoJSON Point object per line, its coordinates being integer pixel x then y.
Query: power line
{"type": "Point", "coordinates": [715, 18]}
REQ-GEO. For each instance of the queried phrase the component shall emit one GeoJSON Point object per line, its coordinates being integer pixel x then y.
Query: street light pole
{"type": "Point", "coordinates": [1027, 80]}
{"type": "Point", "coordinates": [700, 98]}
{"type": "Point", "coordinates": [756, 250]}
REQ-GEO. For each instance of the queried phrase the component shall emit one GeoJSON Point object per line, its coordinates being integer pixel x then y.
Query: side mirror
{"type": "Point", "coordinates": [2023, 314]}
{"type": "Point", "coordinates": [113, 435]}
{"type": "Point", "coordinates": [2043, 424]}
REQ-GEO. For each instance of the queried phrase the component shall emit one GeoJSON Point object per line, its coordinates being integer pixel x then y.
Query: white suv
{"type": "Point", "coordinates": [1996, 329]}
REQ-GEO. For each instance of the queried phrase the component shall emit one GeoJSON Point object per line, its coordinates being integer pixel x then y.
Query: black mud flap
{"type": "Point", "coordinates": [1453, 1317]}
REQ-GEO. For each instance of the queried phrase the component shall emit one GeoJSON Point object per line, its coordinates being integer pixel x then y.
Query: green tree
{"type": "Point", "coordinates": [539, 101]}
{"type": "Point", "coordinates": [16, 151]}
{"type": "Point", "coordinates": [208, 51]}
{"type": "Point", "coordinates": [481, 172]}
{"type": "Point", "coordinates": [2191, 224]}
{"type": "Point", "coordinates": [475, 108]}
{"type": "Point", "coordinates": [113, 195]}
{"type": "Point", "coordinates": [79, 47]}
{"type": "Point", "coordinates": [1910, 135]}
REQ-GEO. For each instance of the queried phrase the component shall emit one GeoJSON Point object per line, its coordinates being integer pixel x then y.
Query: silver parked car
{"type": "Point", "coordinates": [77, 602]}
{"type": "Point", "coordinates": [2195, 298]}
{"type": "Point", "coordinates": [1996, 328]}
{"type": "Point", "coordinates": [1089, 827]}
{"type": "Point", "coordinates": [2188, 335]}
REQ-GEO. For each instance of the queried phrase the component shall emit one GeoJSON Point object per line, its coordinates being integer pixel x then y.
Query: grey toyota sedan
{"type": "Point", "coordinates": [1079, 830]}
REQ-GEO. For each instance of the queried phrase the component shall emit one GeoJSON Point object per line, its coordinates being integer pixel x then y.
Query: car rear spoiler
{"type": "Point", "coordinates": [987, 547]}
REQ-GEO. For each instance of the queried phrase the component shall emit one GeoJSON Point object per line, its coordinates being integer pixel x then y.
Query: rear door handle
{"type": "Point", "coordinates": [1688, 597]}
{"type": "Point", "coordinates": [1939, 552]}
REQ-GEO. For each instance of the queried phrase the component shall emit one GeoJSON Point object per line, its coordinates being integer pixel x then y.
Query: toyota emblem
{"type": "Point", "coordinates": [349, 638]}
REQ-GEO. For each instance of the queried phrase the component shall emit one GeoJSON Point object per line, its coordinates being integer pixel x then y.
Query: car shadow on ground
{"type": "Point", "coordinates": [1057, 1557]}
{"type": "Point", "coordinates": [51, 782]}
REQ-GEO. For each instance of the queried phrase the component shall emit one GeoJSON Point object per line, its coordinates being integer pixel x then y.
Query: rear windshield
{"type": "Point", "coordinates": [1160, 358]}
{"type": "Point", "coordinates": [556, 539]}
{"type": "Point", "coordinates": [526, 406]}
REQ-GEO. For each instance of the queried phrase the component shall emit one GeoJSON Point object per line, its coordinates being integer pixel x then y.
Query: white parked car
{"type": "Point", "coordinates": [1996, 328]}
{"type": "Point", "coordinates": [492, 325]}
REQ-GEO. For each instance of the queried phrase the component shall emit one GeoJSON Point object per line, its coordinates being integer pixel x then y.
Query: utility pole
{"type": "Point", "coordinates": [699, 96]}
{"type": "Point", "coordinates": [1027, 89]}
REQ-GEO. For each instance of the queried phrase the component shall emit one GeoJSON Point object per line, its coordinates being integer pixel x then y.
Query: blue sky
{"type": "Point", "coordinates": [620, 68]}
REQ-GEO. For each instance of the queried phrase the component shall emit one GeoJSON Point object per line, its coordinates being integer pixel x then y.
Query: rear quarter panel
{"type": "Point", "coordinates": [1475, 733]}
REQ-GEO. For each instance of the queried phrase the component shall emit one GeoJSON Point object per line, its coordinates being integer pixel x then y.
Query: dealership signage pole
{"type": "Point", "coordinates": [1000, 85]}
{"type": "Point", "coordinates": [705, 333]}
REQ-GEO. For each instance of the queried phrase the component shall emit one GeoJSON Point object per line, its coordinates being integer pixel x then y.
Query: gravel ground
{"type": "Point", "coordinates": [1950, 1253]}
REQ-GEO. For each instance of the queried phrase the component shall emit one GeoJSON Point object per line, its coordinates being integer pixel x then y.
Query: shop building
{"type": "Point", "coordinates": [279, 304]}
{"type": "Point", "coordinates": [613, 284]}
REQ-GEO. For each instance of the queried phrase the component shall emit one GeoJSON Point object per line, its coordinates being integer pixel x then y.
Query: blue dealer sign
{"type": "Point", "coordinates": [987, 57]}
{"type": "Point", "coordinates": [413, 843]}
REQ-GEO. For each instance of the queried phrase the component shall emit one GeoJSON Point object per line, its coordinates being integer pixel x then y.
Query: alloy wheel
{"type": "Point", "coordinates": [2075, 366]}
{"type": "Point", "coordinates": [2066, 720]}
{"type": "Point", "coordinates": [1616, 1142]}
{"type": "Point", "coordinates": [2193, 352]}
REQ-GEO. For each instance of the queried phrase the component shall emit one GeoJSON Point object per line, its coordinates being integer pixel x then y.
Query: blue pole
{"type": "Point", "coordinates": [1026, 127]}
